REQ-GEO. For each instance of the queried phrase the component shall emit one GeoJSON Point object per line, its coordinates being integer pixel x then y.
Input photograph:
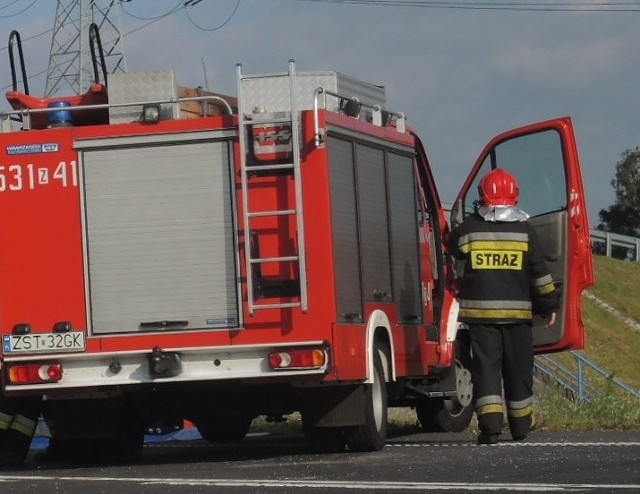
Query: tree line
{"type": "Point", "coordinates": [623, 216]}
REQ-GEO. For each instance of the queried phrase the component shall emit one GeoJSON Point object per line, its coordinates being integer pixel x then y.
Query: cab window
{"type": "Point", "coordinates": [536, 160]}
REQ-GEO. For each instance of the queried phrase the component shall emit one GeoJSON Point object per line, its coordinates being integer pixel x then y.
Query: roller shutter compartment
{"type": "Point", "coordinates": [160, 236]}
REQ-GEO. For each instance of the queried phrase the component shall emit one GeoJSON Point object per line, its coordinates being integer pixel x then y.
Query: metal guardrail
{"type": "Point", "coordinates": [632, 244]}
{"type": "Point", "coordinates": [575, 381]}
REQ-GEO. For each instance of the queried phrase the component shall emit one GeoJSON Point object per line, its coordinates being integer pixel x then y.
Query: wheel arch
{"type": "Point", "coordinates": [379, 334]}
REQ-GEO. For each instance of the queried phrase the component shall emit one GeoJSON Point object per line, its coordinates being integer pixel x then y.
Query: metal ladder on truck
{"type": "Point", "coordinates": [282, 111]}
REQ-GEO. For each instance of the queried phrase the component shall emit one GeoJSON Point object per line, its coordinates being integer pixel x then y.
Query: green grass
{"type": "Point", "coordinates": [555, 412]}
{"type": "Point", "coordinates": [617, 282]}
{"type": "Point", "coordinates": [613, 346]}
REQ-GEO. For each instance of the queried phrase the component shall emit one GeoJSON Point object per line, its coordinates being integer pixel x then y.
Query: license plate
{"type": "Point", "coordinates": [73, 341]}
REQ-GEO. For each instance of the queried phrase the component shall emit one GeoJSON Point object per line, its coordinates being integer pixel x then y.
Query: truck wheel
{"type": "Point", "coordinates": [372, 435]}
{"type": "Point", "coordinates": [454, 414]}
{"type": "Point", "coordinates": [224, 428]}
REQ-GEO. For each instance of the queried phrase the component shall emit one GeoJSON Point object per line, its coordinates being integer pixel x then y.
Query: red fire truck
{"type": "Point", "coordinates": [170, 255]}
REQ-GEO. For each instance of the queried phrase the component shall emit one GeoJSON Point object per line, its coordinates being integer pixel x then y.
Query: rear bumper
{"type": "Point", "coordinates": [88, 372]}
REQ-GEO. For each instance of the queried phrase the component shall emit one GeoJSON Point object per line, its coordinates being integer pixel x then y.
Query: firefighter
{"type": "Point", "coordinates": [504, 279]}
{"type": "Point", "coordinates": [18, 421]}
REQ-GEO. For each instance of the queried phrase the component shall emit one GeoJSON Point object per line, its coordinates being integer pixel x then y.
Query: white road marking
{"type": "Point", "coordinates": [361, 485]}
{"type": "Point", "coordinates": [329, 484]}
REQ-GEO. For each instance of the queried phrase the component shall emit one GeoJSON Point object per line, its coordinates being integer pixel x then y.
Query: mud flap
{"type": "Point", "coordinates": [335, 406]}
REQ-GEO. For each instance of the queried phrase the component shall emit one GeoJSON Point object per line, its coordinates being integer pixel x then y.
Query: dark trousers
{"type": "Point", "coordinates": [503, 355]}
{"type": "Point", "coordinates": [18, 421]}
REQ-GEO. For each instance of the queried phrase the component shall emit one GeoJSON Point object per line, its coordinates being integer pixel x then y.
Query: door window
{"type": "Point", "coordinates": [536, 160]}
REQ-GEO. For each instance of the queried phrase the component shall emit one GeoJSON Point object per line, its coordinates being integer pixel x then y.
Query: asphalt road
{"type": "Point", "coordinates": [599, 462]}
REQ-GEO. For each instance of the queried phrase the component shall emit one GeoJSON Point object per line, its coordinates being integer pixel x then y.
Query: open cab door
{"type": "Point", "coordinates": [544, 159]}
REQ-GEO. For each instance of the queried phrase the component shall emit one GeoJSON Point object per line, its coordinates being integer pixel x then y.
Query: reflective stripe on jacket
{"type": "Point", "coordinates": [504, 272]}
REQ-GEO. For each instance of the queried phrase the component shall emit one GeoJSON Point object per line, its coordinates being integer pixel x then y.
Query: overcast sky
{"type": "Point", "coordinates": [461, 75]}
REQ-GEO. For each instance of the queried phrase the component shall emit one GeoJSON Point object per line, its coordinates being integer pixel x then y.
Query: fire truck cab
{"type": "Point", "coordinates": [170, 255]}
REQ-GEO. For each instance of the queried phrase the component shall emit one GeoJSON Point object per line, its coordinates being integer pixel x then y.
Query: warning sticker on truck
{"type": "Point", "coordinates": [47, 147]}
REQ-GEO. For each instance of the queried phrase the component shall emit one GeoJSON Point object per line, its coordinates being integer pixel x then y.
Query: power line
{"type": "Point", "coordinates": [16, 13]}
{"type": "Point", "coordinates": [212, 28]}
{"type": "Point", "coordinates": [4, 47]}
{"type": "Point", "coordinates": [181, 5]}
{"type": "Point", "coordinates": [9, 4]}
{"type": "Point", "coordinates": [178, 6]}
{"type": "Point", "coordinates": [153, 20]}
{"type": "Point", "coordinates": [557, 6]}
{"type": "Point", "coordinates": [468, 3]}
{"type": "Point", "coordinates": [33, 76]}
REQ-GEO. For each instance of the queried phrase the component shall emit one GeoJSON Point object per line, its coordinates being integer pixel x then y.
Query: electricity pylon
{"type": "Point", "coordinates": [70, 62]}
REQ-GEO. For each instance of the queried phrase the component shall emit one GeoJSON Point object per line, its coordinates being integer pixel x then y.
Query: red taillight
{"type": "Point", "coordinates": [307, 358]}
{"type": "Point", "coordinates": [34, 373]}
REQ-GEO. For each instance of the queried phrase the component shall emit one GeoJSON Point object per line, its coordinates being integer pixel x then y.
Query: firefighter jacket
{"type": "Point", "coordinates": [505, 277]}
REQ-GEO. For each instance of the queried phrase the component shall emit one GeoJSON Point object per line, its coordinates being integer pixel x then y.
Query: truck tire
{"type": "Point", "coordinates": [451, 414]}
{"type": "Point", "coordinates": [224, 428]}
{"type": "Point", "coordinates": [372, 435]}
